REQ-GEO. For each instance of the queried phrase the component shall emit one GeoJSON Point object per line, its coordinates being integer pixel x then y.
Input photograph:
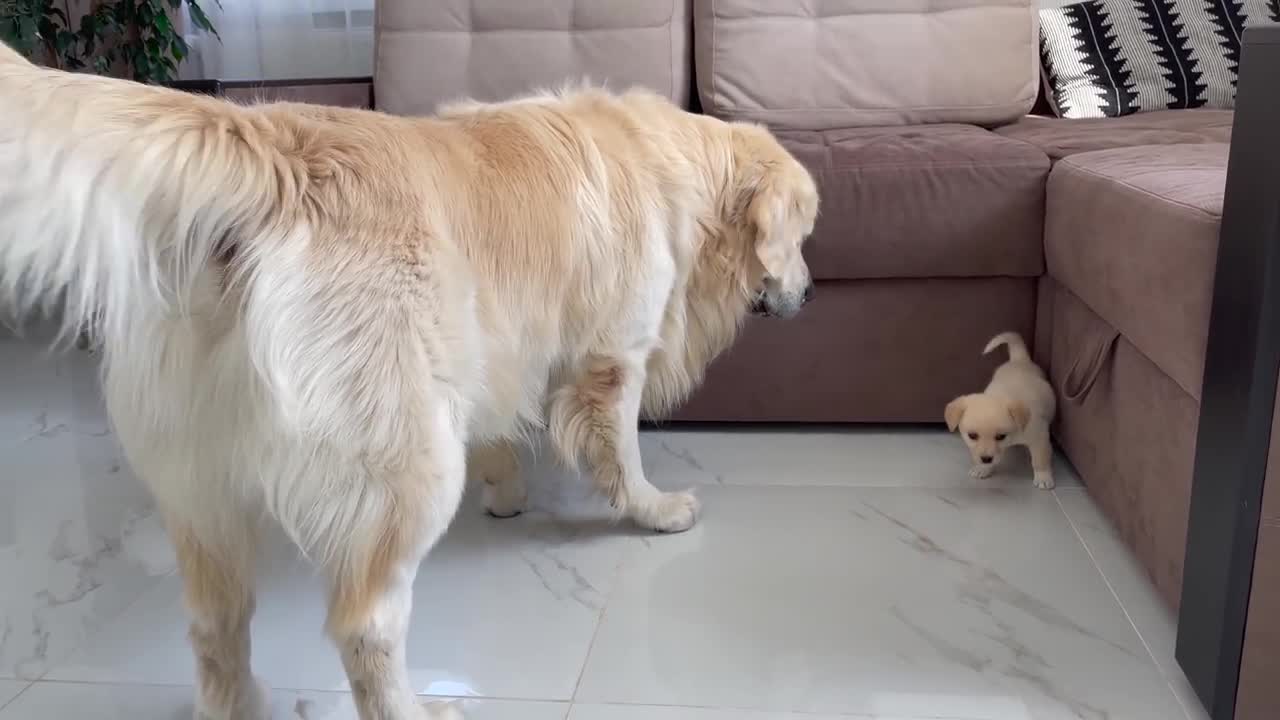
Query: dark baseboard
{"type": "Point", "coordinates": [342, 91]}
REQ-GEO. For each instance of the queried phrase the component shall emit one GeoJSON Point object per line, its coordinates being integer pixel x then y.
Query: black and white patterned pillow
{"type": "Point", "coordinates": [1107, 58]}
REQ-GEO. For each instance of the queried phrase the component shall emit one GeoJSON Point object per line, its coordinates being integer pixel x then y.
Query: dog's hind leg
{"type": "Point", "coordinates": [180, 444]}
{"type": "Point", "coordinates": [1041, 446]}
{"type": "Point", "coordinates": [217, 569]}
{"type": "Point", "coordinates": [397, 511]}
{"type": "Point", "coordinates": [597, 418]}
{"type": "Point", "coordinates": [497, 465]}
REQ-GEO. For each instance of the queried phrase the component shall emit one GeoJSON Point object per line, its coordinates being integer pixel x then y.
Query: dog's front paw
{"type": "Point", "coordinates": [981, 471]}
{"type": "Point", "coordinates": [1044, 480]}
{"type": "Point", "coordinates": [671, 512]}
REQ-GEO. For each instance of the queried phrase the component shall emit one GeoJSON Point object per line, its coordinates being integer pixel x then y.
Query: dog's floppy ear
{"type": "Point", "coordinates": [767, 215]}
{"type": "Point", "coordinates": [1021, 415]}
{"type": "Point", "coordinates": [760, 201]}
{"type": "Point", "coordinates": [763, 211]}
{"type": "Point", "coordinates": [955, 411]}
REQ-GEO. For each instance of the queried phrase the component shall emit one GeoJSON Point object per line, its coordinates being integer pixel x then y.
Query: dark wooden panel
{"type": "Point", "coordinates": [354, 92]}
{"type": "Point", "coordinates": [1259, 694]}
{"type": "Point", "coordinates": [1237, 403]}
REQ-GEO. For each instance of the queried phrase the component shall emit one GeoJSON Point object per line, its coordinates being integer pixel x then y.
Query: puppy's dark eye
{"type": "Point", "coordinates": [1000, 437]}
{"type": "Point", "coordinates": [973, 436]}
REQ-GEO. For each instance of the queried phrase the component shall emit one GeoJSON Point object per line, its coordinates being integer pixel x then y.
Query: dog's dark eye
{"type": "Point", "coordinates": [973, 436]}
{"type": "Point", "coordinates": [1000, 437]}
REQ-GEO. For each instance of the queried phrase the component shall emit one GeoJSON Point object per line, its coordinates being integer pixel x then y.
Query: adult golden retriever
{"type": "Point", "coordinates": [308, 314]}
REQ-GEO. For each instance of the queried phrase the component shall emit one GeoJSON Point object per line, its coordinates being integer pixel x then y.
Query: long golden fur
{"type": "Point", "coordinates": [310, 314]}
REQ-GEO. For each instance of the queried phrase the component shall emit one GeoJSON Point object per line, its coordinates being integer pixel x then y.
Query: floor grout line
{"type": "Point", "coordinates": [595, 632]}
{"type": "Point", "coordinates": [760, 711]}
{"type": "Point", "coordinates": [1178, 698]}
{"type": "Point", "coordinates": [311, 691]}
{"type": "Point", "coordinates": [569, 705]}
{"type": "Point", "coordinates": [12, 700]}
{"type": "Point", "coordinates": [1120, 603]}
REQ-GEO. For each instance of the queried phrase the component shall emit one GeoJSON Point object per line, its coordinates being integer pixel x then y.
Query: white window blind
{"type": "Point", "coordinates": [284, 39]}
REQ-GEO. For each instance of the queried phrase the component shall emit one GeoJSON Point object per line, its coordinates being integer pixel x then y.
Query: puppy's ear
{"type": "Point", "coordinates": [955, 412]}
{"type": "Point", "coordinates": [1021, 415]}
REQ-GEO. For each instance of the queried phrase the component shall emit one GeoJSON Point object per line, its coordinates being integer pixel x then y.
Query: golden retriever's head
{"type": "Point", "coordinates": [773, 204]}
{"type": "Point", "coordinates": [988, 424]}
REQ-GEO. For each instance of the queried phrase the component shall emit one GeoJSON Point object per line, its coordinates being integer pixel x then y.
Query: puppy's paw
{"type": "Point", "coordinates": [671, 512]}
{"type": "Point", "coordinates": [981, 471]}
{"type": "Point", "coordinates": [1044, 480]}
{"type": "Point", "coordinates": [505, 499]}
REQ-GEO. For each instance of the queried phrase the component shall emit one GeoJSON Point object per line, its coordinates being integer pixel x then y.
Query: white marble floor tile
{"type": "Point", "coordinates": [854, 574]}
{"type": "Point", "coordinates": [47, 700]}
{"type": "Point", "coordinates": [9, 690]}
{"type": "Point", "coordinates": [855, 457]}
{"type": "Point", "coordinates": [79, 540]}
{"type": "Point", "coordinates": [502, 608]}
{"type": "Point", "coordinates": [29, 382]}
{"type": "Point", "coordinates": [1153, 619]}
{"type": "Point", "coordinates": [968, 604]}
{"type": "Point", "coordinates": [656, 712]}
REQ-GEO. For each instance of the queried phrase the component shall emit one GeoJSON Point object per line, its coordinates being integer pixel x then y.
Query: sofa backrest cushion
{"type": "Point", "coordinates": [814, 64]}
{"type": "Point", "coordinates": [433, 52]}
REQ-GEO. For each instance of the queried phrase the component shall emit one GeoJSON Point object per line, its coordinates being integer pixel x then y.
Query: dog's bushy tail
{"type": "Point", "coordinates": [1017, 348]}
{"type": "Point", "coordinates": [114, 194]}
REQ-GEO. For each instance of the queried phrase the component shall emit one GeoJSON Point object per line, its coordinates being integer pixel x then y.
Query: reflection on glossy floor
{"type": "Point", "coordinates": [856, 574]}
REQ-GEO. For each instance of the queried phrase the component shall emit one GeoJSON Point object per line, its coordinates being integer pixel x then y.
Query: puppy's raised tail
{"type": "Point", "coordinates": [114, 194]}
{"type": "Point", "coordinates": [1017, 348]}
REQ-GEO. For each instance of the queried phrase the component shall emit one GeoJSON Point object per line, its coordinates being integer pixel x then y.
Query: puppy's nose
{"type": "Point", "coordinates": [808, 292]}
{"type": "Point", "coordinates": [986, 459]}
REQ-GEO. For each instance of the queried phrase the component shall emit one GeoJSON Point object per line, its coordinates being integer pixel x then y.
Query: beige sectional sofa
{"type": "Point", "coordinates": [948, 215]}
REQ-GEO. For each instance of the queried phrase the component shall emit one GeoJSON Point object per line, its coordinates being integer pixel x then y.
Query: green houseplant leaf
{"type": "Point", "coordinates": [138, 37]}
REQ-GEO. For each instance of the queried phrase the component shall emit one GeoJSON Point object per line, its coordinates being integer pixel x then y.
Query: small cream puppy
{"type": "Point", "coordinates": [1015, 409]}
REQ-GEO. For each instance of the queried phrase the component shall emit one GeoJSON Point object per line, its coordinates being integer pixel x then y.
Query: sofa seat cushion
{"type": "Point", "coordinates": [1059, 137]}
{"type": "Point", "coordinates": [1133, 233]}
{"type": "Point", "coordinates": [926, 201]}
{"type": "Point", "coordinates": [430, 53]}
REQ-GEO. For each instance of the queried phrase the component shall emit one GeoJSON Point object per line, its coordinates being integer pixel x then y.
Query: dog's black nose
{"type": "Point", "coordinates": [986, 459]}
{"type": "Point", "coordinates": [808, 292]}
